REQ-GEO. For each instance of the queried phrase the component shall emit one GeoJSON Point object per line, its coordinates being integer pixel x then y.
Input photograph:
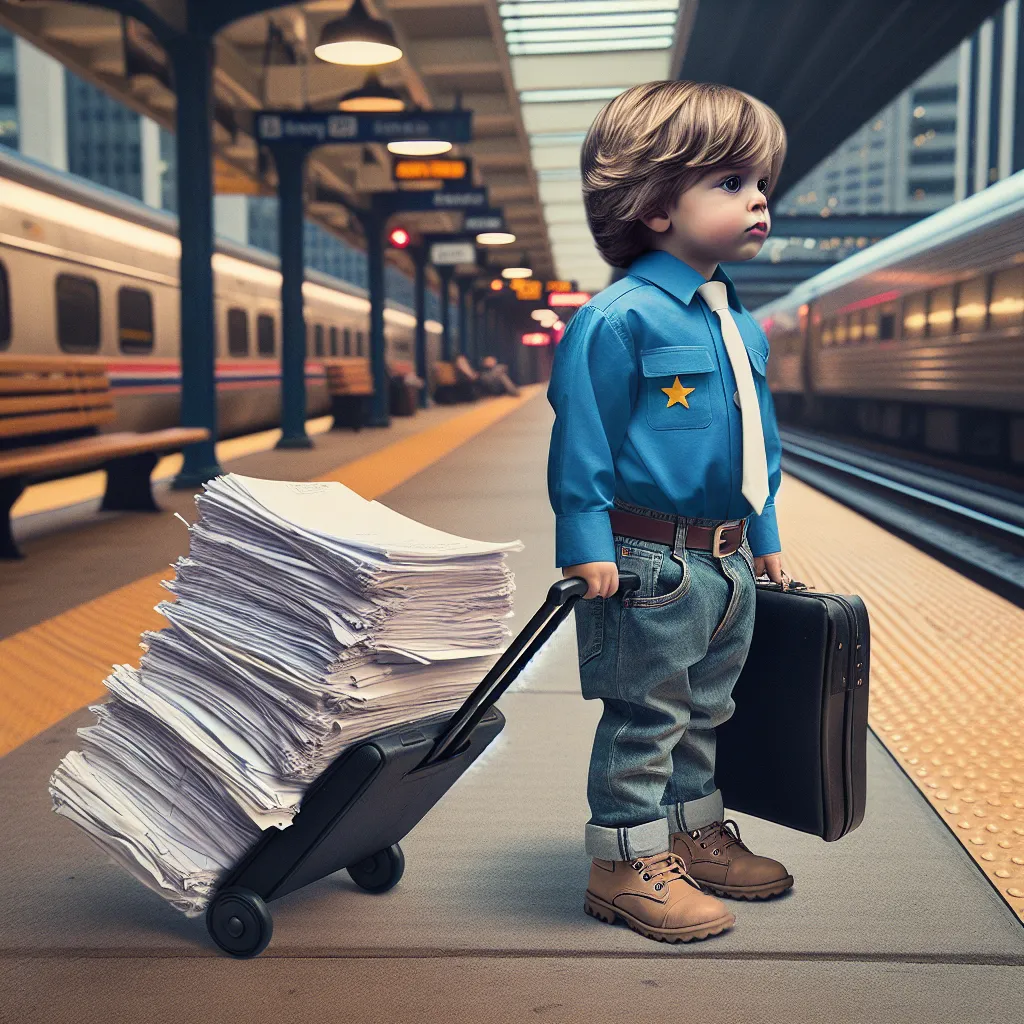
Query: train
{"type": "Point", "coordinates": [87, 271]}
{"type": "Point", "coordinates": [917, 341]}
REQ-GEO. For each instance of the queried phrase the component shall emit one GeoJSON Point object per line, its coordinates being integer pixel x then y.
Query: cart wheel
{"type": "Point", "coordinates": [379, 872]}
{"type": "Point", "coordinates": [239, 922]}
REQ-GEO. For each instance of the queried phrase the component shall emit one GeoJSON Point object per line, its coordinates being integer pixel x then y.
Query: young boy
{"type": "Point", "coordinates": [664, 462]}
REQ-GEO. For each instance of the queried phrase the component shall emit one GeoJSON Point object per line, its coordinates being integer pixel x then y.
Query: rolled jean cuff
{"type": "Point", "coordinates": [627, 843]}
{"type": "Point", "coordinates": [694, 814]}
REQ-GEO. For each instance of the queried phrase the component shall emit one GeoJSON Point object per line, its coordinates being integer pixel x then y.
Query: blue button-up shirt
{"type": "Point", "coordinates": [617, 432]}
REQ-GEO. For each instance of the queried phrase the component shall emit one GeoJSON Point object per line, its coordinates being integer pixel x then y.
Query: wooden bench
{"type": "Point", "coordinates": [451, 386]}
{"type": "Point", "coordinates": [50, 410]}
{"type": "Point", "coordinates": [350, 385]}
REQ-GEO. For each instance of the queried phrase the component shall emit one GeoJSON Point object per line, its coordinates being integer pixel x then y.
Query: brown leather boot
{"type": "Point", "coordinates": [655, 897]}
{"type": "Point", "coordinates": [716, 857]}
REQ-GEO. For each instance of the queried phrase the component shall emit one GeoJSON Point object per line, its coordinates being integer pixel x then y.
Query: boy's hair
{"type": "Point", "coordinates": [654, 141]}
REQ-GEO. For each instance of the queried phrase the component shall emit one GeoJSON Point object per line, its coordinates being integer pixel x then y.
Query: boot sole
{"type": "Point", "coordinates": [752, 892]}
{"type": "Point", "coordinates": [605, 912]}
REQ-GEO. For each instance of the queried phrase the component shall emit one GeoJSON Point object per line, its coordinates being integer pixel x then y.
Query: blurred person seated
{"type": "Point", "coordinates": [468, 387]}
{"type": "Point", "coordinates": [494, 378]}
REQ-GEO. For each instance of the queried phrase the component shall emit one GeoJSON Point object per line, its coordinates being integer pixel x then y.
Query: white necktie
{"type": "Point", "coordinates": [755, 464]}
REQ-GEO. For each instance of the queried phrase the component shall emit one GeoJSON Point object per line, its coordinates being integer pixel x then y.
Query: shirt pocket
{"type": "Point", "coordinates": [758, 361]}
{"type": "Point", "coordinates": [678, 382]}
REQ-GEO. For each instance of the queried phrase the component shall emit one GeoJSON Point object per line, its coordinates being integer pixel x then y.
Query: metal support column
{"type": "Point", "coordinates": [465, 297]}
{"type": "Point", "coordinates": [373, 226]}
{"type": "Point", "coordinates": [447, 349]}
{"type": "Point", "coordinates": [419, 256]}
{"type": "Point", "coordinates": [290, 162]}
{"type": "Point", "coordinates": [191, 57]}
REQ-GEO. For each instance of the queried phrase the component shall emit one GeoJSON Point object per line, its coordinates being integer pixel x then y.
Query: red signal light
{"type": "Point", "coordinates": [399, 238]}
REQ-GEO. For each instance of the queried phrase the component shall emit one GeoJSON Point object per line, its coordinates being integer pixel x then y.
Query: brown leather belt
{"type": "Point", "coordinates": [720, 540]}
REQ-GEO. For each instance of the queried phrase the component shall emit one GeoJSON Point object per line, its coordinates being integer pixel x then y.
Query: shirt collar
{"type": "Point", "coordinates": [678, 278]}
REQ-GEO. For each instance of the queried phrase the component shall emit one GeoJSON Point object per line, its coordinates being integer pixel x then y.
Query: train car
{"type": "Point", "coordinates": [918, 340]}
{"type": "Point", "coordinates": [85, 270]}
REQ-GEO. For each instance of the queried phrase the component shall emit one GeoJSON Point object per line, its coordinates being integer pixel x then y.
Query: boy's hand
{"type": "Point", "coordinates": [603, 577]}
{"type": "Point", "coordinates": [771, 564]}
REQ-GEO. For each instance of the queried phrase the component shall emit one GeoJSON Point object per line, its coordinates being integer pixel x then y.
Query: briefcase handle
{"type": "Point", "coordinates": [793, 585]}
{"type": "Point", "coordinates": [561, 598]}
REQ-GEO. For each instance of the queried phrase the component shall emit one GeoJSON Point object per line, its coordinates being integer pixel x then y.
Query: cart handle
{"type": "Point", "coordinates": [561, 598]}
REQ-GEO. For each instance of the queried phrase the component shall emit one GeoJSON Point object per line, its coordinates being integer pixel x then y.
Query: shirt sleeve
{"type": "Point", "coordinates": [592, 389]}
{"type": "Point", "coordinates": [763, 530]}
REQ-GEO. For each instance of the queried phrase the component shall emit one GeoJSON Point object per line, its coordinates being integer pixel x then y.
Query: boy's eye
{"type": "Point", "coordinates": [732, 183]}
{"type": "Point", "coordinates": [763, 184]}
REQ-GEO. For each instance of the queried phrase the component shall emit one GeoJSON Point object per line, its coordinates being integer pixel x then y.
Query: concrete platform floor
{"type": "Point", "coordinates": [892, 923]}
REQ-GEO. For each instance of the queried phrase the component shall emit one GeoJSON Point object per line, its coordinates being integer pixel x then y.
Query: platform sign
{"type": "Point", "coordinates": [318, 128]}
{"type": "Point", "coordinates": [484, 220]}
{"type": "Point", "coordinates": [407, 168]}
{"type": "Point", "coordinates": [527, 289]}
{"type": "Point", "coordinates": [559, 286]}
{"type": "Point", "coordinates": [572, 299]}
{"type": "Point", "coordinates": [451, 254]}
{"type": "Point", "coordinates": [442, 199]}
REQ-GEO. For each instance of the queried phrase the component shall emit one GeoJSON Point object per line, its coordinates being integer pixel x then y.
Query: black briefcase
{"type": "Point", "coordinates": [794, 752]}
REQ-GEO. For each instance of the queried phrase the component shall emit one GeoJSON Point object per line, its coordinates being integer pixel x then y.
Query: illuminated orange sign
{"type": "Point", "coordinates": [536, 338]}
{"type": "Point", "coordinates": [568, 298]}
{"type": "Point", "coordinates": [558, 286]}
{"type": "Point", "coordinates": [424, 170]}
{"type": "Point", "coordinates": [526, 288]}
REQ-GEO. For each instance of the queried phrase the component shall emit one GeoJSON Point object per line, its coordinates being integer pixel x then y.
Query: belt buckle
{"type": "Point", "coordinates": [716, 540]}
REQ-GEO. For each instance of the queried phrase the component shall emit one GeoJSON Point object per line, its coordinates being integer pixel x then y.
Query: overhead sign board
{"type": "Point", "coordinates": [443, 199]}
{"type": "Point", "coordinates": [484, 220]}
{"type": "Point", "coordinates": [558, 286]}
{"type": "Point", "coordinates": [527, 289]}
{"type": "Point", "coordinates": [450, 254]}
{"type": "Point", "coordinates": [316, 128]}
{"type": "Point", "coordinates": [406, 168]}
{"type": "Point", "coordinates": [568, 298]}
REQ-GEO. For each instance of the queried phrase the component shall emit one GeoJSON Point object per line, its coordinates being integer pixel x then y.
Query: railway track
{"type": "Point", "coordinates": [975, 527]}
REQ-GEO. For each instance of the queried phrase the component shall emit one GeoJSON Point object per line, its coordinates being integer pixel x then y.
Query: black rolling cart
{"type": "Point", "coordinates": [354, 815]}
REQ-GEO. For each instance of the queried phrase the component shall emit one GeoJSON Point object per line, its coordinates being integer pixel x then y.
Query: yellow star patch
{"type": "Point", "coordinates": [677, 393]}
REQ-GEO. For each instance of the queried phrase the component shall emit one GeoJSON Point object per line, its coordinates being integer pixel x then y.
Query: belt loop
{"type": "Point", "coordinates": [679, 547]}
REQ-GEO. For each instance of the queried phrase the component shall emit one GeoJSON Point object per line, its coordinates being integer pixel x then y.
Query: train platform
{"type": "Point", "coordinates": [916, 916]}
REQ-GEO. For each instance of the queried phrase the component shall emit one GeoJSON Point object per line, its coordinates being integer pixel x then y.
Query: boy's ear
{"type": "Point", "coordinates": [658, 222]}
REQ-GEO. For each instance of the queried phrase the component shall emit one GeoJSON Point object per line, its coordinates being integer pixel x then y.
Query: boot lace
{"type": "Point", "coordinates": [665, 867]}
{"type": "Point", "coordinates": [719, 834]}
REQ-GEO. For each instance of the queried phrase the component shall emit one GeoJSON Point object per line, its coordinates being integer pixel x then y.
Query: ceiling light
{"type": "Point", "coordinates": [358, 40]}
{"type": "Point", "coordinates": [372, 98]}
{"type": "Point", "coordinates": [544, 314]}
{"type": "Point", "coordinates": [419, 147]}
{"type": "Point", "coordinates": [495, 238]}
{"type": "Point", "coordinates": [594, 46]}
{"type": "Point", "coordinates": [511, 273]}
{"type": "Point", "coordinates": [579, 34]}
{"type": "Point", "coordinates": [597, 21]}
{"type": "Point", "coordinates": [542, 8]}
{"type": "Point", "coordinates": [568, 95]}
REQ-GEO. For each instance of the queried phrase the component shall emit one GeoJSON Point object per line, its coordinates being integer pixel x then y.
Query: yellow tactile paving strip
{"type": "Point", "coordinates": [947, 690]}
{"type": "Point", "coordinates": [58, 666]}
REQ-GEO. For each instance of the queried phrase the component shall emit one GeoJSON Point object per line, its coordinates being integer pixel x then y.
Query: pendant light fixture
{"type": "Point", "coordinates": [495, 238]}
{"type": "Point", "coordinates": [420, 147]}
{"type": "Point", "coordinates": [358, 40]}
{"type": "Point", "coordinates": [372, 98]}
{"type": "Point", "coordinates": [522, 270]}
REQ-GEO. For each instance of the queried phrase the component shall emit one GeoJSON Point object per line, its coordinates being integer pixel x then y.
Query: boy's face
{"type": "Point", "coordinates": [714, 221]}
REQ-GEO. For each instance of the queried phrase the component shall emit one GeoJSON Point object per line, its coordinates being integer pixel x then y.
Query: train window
{"type": "Point", "coordinates": [871, 323]}
{"type": "Point", "coordinates": [913, 316]}
{"type": "Point", "coordinates": [888, 316]}
{"type": "Point", "coordinates": [940, 312]}
{"type": "Point", "coordinates": [827, 332]}
{"type": "Point", "coordinates": [971, 305]}
{"type": "Point", "coordinates": [134, 320]}
{"type": "Point", "coordinates": [1007, 303]}
{"type": "Point", "coordinates": [318, 340]}
{"type": "Point", "coordinates": [238, 332]}
{"type": "Point", "coordinates": [5, 309]}
{"type": "Point", "coordinates": [347, 341]}
{"type": "Point", "coordinates": [78, 314]}
{"type": "Point", "coordinates": [265, 331]}
{"type": "Point", "coordinates": [856, 325]}
{"type": "Point", "coordinates": [334, 341]}
{"type": "Point", "coordinates": [841, 330]}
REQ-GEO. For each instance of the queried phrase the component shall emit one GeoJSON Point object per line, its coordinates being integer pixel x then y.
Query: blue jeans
{"type": "Point", "coordinates": [664, 660]}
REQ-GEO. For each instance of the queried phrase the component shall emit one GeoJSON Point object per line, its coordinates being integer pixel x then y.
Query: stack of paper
{"type": "Point", "coordinates": [306, 619]}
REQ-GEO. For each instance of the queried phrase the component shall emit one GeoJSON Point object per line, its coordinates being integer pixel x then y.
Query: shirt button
{"type": "Point", "coordinates": [736, 398]}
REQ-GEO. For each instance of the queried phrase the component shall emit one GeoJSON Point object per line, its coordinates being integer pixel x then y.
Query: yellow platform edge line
{"type": "Point", "coordinates": [34, 700]}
